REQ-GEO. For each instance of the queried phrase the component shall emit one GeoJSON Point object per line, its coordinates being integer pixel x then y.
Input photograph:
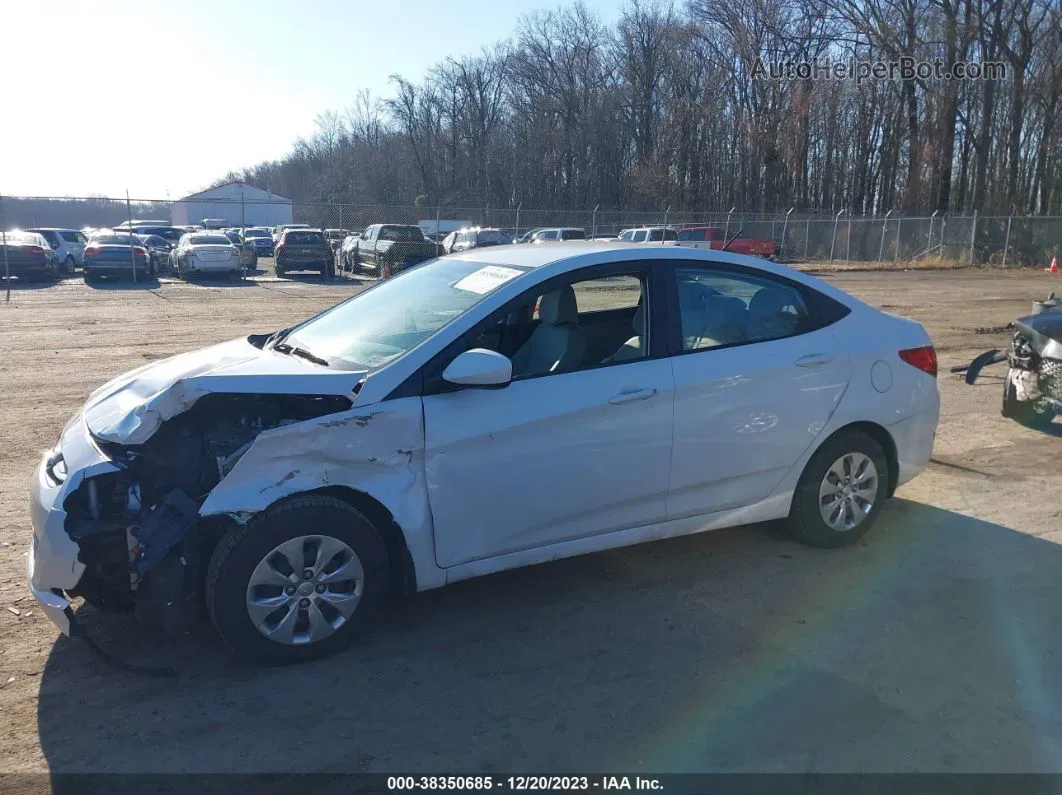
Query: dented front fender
{"type": "Point", "coordinates": [377, 450]}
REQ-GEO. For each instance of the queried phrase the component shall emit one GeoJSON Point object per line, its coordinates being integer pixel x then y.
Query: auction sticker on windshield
{"type": "Point", "coordinates": [486, 279]}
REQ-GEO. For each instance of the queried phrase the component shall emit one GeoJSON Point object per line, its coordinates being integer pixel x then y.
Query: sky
{"type": "Point", "coordinates": [160, 99]}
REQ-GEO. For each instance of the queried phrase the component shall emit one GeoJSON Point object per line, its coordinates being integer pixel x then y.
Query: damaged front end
{"type": "Point", "coordinates": [133, 514]}
{"type": "Point", "coordinates": [1032, 389]}
{"type": "Point", "coordinates": [138, 529]}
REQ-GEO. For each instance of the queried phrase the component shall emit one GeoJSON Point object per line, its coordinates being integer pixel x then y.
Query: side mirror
{"type": "Point", "coordinates": [479, 367]}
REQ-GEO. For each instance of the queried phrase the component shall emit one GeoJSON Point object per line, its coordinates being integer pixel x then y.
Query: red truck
{"type": "Point", "coordinates": [713, 237]}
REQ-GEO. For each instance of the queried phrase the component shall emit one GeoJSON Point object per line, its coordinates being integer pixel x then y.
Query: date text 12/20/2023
{"type": "Point", "coordinates": [521, 783]}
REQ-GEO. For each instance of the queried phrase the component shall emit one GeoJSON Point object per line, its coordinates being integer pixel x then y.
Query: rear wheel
{"type": "Point", "coordinates": [297, 582]}
{"type": "Point", "coordinates": [841, 491]}
{"type": "Point", "coordinates": [68, 266]}
{"type": "Point", "coordinates": [280, 270]}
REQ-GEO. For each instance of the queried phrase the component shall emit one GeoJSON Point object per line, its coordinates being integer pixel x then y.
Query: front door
{"type": "Point", "coordinates": [555, 455]}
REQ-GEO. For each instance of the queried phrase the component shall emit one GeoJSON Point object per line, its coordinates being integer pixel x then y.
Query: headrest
{"type": "Point", "coordinates": [768, 301]}
{"type": "Point", "coordinates": [558, 307]}
{"type": "Point", "coordinates": [638, 321]}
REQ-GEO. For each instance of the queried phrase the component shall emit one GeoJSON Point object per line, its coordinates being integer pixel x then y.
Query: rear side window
{"type": "Point", "coordinates": [69, 237]}
{"type": "Point", "coordinates": [696, 235]}
{"type": "Point", "coordinates": [573, 234]}
{"type": "Point", "coordinates": [51, 237]}
{"type": "Point", "coordinates": [719, 307]}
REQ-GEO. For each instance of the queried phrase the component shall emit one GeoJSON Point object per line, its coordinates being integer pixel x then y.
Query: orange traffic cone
{"type": "Point", "coordinates": [1054, 265]}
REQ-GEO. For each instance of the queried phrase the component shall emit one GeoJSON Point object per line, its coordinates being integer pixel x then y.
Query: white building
{"type": "Point", "coordinates": [233, 203]}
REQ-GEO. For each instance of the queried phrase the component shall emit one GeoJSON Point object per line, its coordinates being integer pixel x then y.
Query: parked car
{"type": "Point", "coordinates": [261, 475]}
{"type": "Point", "coordinates": [172, 234]}
{"type": "Point", "coordinates": [558, 233]}
{"type": "Point", "coordinates": [335, 237]}
{"type": "Point", "coordinates": [279, 230]}
{"type": "Point", "coordinates": [206, 252]}
{"type": "Point", "coordinates": [248, 255]}
{"type": "Point", "coordinates": [115, 253]}
{"type": "Point", "coordinates": [261, 239]}
{"type": "Point", "coordinates": [648, 234]}
{"type": "Point", "coordinates": [347, 251]}
{"type": "Point", "coordinates": [68, 245]}
{"type": "Point", "coordinates": [713, 237]}
{"type": "Point", "coordinates": [158, 249]}
{"type": "Point", "coordinates": [389, 248]}
{"type": "Point", "coordinates": [529, 235]}
{"type": "Point", "coordinates": [29, 256]}
{"type": "Point", "coordinates": [302, 249]}
{"type": "Point", "coordinates": [475, 237]}
{"type": "Point", "coordinates": [447, 243]}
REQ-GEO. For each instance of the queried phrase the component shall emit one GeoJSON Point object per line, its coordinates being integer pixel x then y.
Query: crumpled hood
{"type": "Point", "coordinates": [1044, 332]}
{"type": "Point", "coordinates": [130, 408]}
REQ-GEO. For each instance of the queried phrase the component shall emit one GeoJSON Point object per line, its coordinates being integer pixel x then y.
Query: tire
{"type": "Point", "coordinates": [90, 278]}
{"type": "Point", "coordinates": [806, 522]}
{"type": "Point", "coordinates": [69, 265]}
{"type": "Point", "coordinates": [328, 270]}
{"type": "Point", "coordinates": [244, 550]}
{"type": "Point", "coordinates": [1023, 412]}
{"type": "Point", "coordinates": [280, 271]}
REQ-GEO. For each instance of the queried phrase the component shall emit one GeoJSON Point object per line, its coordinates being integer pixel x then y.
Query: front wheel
{"type": "Point", "coordinates": [841, 491]}
{"type": "Point", "coordinates": [297, 582]}
{"type": "Point", "coordinates": [68, 266]}
{"type": "Point", "coordinates": [1024, 412]}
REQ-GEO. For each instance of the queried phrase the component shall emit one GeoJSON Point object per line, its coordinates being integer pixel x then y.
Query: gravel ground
{"type": "Point", "coordinates": [931, 646]}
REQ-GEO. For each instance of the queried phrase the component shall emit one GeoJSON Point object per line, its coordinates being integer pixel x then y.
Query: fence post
{"type": "Point", "coordinates": [341, 216]}
{"type": "Point", "coordinates": [1006, 243]}
{"type": "Point", "coordinates": [726, 229]}
{"type": "Point", "coordinates": [785, 225]}
{"type": "Point", "coordinates": [896, 251]}
{"type": "Point", "coordinates": [848, 251]}
{"type": "Point", "coordinates": [3, 240]}
{"type": "Point", "coordinates": [517, 235]}
{"type": "Point", "coordinates": [132, 256]}
{"type": "Point", "coordinates": [833, 242]}
{"type": "Point", "coordinates": [663, 234]}
{"type": "Point", "coordinates": [593, 223]}
{"type": "Point", "coordinates": [807, 239]}
{"type": "Point", "coordinates": [884, 225]}
{"type": "Point", "coordinates": [929, 243]}
{"type": "Point", "coordinates": [973, 236]}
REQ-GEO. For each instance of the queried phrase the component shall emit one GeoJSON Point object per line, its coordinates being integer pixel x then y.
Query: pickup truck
{"type": "Point", "coordinates": [713, 237]}
{"type": "Point", "coordinates": [389, 248]}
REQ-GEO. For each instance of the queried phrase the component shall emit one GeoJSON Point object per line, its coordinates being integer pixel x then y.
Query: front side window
{"type": "Point", "coordinates": [719, 307]}
{"type": "Point", "coordinates": [639, 236]}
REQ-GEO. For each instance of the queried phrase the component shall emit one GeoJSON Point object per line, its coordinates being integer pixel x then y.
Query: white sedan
{"type": "Point", "coordinates": [486, 410]}
{"type": "Point", "coordinates": [206, 252]}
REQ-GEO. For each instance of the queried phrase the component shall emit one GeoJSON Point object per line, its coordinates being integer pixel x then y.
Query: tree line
{"type": "Point", "coordinates": [672, 106]}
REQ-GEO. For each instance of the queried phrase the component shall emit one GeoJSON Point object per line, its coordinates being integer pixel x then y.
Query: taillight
{"type": "Point", "coordinates": [139, 252]}
{"type": "Point", "coordinates": [92, 251]}
{"type": "Point", "coordinates": [924, 358]}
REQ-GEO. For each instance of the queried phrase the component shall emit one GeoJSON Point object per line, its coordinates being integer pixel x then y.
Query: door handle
{"type": "Point", "coordinates": [631, 395]}
{"type": "Point", "coordinates": [814, 360]}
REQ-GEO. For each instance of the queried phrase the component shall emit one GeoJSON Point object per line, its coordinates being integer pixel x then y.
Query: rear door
{"type": "Point", "coordinates": [757, 377]}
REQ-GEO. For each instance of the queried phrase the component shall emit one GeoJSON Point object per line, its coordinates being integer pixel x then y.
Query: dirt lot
{"type": "Point", "coordinates": [932, 646]}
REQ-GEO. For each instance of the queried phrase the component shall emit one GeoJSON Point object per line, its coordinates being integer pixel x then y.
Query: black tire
{"type": "Point", "coordinates": [328, 270]}
{"type": "Point", "coordinates": [281, 273]}
{"type": "Point", "coordinates": [805, 522]}
{"type": "Point", "coordinates": [1024, 412]}
{"type": "Point", "coordinates": [244, 547]}
{"type": "Point", "coordinates": [69, 265]}
{"type": "Point", "coordinates": [90, 278]}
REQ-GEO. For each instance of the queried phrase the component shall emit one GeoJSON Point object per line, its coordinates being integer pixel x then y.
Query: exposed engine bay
{"type": "Point", "coordinates": [1032, 388]}
{"type": "Point", "coordinates": [140, 536]}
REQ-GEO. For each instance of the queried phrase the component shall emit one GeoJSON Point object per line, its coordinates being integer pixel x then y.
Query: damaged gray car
{"type": "Point", "coordinates": [1032, 388]}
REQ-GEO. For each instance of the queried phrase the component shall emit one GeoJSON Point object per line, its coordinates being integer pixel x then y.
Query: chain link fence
{"type": "Point", "coordinates": [838, 240]}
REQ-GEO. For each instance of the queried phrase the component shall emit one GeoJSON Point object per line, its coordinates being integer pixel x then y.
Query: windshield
{"type": "Point", "coordinates": [114, 240]}
{"type": "Point", "coordinates": [211, 240]}
{"type": "Point", "coordinates": [380, 325]}
{"type": "Point", "coordinates": [402, 234]}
